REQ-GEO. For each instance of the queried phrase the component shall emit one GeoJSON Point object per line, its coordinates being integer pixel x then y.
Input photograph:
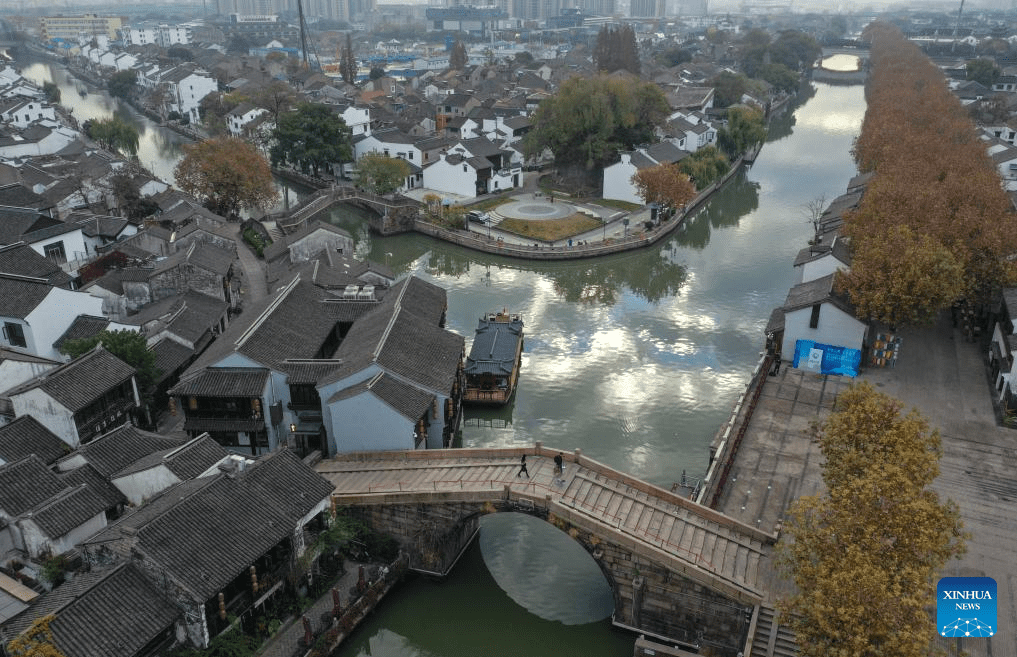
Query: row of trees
{"type": "Point", "coordinates": [866, 555]}
{"type": "Point", "coordinates": [935, 225]}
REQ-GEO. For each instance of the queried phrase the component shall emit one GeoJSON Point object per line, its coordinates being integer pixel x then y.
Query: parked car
{"type": "Point", "coordinates": [479, 217]}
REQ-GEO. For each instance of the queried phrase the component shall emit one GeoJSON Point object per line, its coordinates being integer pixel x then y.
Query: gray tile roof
{"type": "Point", "coordinates": [308, 371]}
{"type": "Point", "coordinates": [169, 356]}
{"type": "Point", "coordinates": [20, 295]}
{"type": "Point", "coordinates": [186, 462]}
{"type": "Point", "coordinates": [83, 326]}
{"type": "Point", "coordinates": [23, 260]}
{"type": "Point", "coordinates": [417, 351]}
{"type": "Point", "coordinates": [26, 436]}
{"type": "Point", "coordinates": [222, 382]}
{"type": "Point", "coordinates": [78, 383]}
{"type": "Point", "coordinates": [494, 347]}
{"type": "Point", "coordinates": [182, 530]}
{"type": "Point", "coordinates": [407, 400]}
{"type": "Point", "coordinates": [810, 293]}
{"type": "Point", "coordinates": [25, 484]}
{"type": "Point", "coordinates": [113, 612]}
{"type": "Point", "coordinates": [86, 474]}
{"type": "Point", "coordinates": [67, 510]}
{"type": "Point", "coordinates": [114, 451]}
{"type": "Point", "coordinates": [18, 224]}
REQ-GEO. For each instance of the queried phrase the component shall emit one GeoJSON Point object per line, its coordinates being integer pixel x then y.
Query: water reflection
{"type": "Point", "coordinates": [740, 197]}
{"type": "Point", "coordinates": [841, 62]}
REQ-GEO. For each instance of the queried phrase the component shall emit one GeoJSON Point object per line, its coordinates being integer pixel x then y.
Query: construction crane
{"type": "Point", "coordinates": [303, 38]}
{"type": "Point", "coordinates": [956, 28]}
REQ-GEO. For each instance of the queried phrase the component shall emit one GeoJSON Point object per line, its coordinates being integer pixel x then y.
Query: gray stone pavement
{"type": "Point", "coordinates": [944, 377]}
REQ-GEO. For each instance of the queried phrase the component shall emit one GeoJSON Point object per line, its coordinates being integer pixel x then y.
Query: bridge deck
{"type": "Point", "coordinates": [695, 540]}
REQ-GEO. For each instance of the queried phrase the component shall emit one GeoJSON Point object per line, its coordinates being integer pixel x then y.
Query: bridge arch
{"type": "Point", "coordinates": [658, 552]}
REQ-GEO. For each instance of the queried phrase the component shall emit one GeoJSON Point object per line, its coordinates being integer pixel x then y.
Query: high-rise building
{"type": "Point", "coordinates": [647, 8]}
{"type": "Point", "coordinates": [72, 27]}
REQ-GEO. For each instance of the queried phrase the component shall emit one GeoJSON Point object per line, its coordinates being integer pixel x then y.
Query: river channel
{"type": "Point", "coordinates": [636, 359]}
{"type": "Point", "coordinates": [158, 147]}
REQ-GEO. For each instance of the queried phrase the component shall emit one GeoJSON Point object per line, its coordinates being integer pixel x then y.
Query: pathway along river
{"type": "Point", "coordinates": [636, 359]}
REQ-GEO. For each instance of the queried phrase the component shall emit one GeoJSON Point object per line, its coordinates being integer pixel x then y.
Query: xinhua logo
{"type": "Point", "coordinates": [966, 606]}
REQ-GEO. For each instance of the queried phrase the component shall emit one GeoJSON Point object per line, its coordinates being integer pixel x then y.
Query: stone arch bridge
{"type": "Point", "coordinates": [679, 571]}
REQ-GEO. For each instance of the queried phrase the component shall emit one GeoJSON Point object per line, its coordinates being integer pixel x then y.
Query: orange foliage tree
{"type": "Point", "coordinates": [665, 185]}
{"type": "Point", "coordinates": [936, 199]}
{"type": "Point", "coordinates": [226, 174]}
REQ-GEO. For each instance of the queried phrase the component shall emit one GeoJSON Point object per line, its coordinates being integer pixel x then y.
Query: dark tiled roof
{"type": "Point", "coordinates": [186, 462]}
{"type": "Point", "coordinates": [228, 425]}
{"type": "Point", "coordinates": [86, 474]}
{"type": "Point", "coordinates": [494, 347]}
{"type": "Point", "coordinates": [182, 530]}
{"type": "Point", "coordinates": [776, 321]}
{"type": "Point", "coordinates": [810, 293]}
{"type": "Point", "coordinates": [113, 613]}
{"type": "Point", "coordinates": [83, 326]}
{"type": "Point", "coordinates": [23, 260]}
{"type": "Point", "coordinates": [25, 436]}
{"type": "Point", "coordinates": [17, 224]}
{"type": "Point", "coordinates": [308, 371]}
{"type": "Point", "coordinates": [20, 295]}
{"type": "Point", "coordinates": [69, 509]}
{"type": "Point", "coordinates": [409, 401]}
{"type": "Point", "coordinates": [25, 484]}
{"type": "Point", "coordinates": [169, 356]}
{"type": "Point", "coordinates": [114, 451]}
{"type": "Point", "coordinates": [223, 382]}
{"type": "Point", "coordinates": [78, 383]}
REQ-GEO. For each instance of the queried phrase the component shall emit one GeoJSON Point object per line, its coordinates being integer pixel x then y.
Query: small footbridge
{"type": "Point", "coordinates": [393, 215]}
{"type": "Point", "coordinates": [679, 571]}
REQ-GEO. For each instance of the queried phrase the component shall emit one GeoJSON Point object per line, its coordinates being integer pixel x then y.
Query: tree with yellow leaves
{"type": "Point", "coordinates": [865, 557]}
{"type": "Point", "coordinates": [936, 199]}
{"type": "Point", "coordinates": [36, 641]}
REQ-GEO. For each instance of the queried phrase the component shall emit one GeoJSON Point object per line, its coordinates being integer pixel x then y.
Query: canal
{"type": "Point", "coordinates": [159, 148]}
{"type": "Point", "coordinates": [635, 359]}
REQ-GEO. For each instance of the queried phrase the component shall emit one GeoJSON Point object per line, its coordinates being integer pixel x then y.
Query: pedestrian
{"type": "Point", "coordinates": [776, 366]}
{"type": "Point", "coordinates": [559, 465]}
{"type": "Point", "coordinates": [522, 467]}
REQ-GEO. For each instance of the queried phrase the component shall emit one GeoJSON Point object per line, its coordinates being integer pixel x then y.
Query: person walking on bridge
{"type": "Point", "coordinates": [522, 467]}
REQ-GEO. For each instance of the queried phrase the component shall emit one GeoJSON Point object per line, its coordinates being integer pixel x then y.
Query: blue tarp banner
{"type": "Point", "coordinates": [827, 359]}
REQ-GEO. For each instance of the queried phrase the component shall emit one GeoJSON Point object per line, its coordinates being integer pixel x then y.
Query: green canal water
{"type": "Point", "coordinates": [635, 359]}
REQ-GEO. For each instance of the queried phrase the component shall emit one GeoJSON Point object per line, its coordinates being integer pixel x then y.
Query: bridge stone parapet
{"type": "Point", "coordinates": [679, 571]}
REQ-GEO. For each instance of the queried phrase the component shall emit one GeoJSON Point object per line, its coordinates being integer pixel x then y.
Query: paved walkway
{"type": "Point", "coordinates": [288, 641]}
{"type": "Point", "coordinates": [944, 377]}
{"type": "Point", "coordinates": [254, 286]}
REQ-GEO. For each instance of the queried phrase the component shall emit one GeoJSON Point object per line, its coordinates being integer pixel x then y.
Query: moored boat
{"type": "Point", "coordinates": [492, 368]}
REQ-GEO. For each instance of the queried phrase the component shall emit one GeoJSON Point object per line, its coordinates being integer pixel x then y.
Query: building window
{"type": "Point", "coordinates": [15, 334]}
{"type": "Point", "coordinates": [814, 320]}
{"type": "Point", "coordinates": [55, 252]}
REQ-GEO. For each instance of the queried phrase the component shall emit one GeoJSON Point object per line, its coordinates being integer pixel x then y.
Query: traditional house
{"type": "Point", "coordinates": [26, 436]}
{"type": "Point", "coordinates": [816, 319]}
{"type": "Point", "coordinates": [266, 509]}
{"type": "Point", "coordinates": [618, 183]}
{"type": "Point", "coordinates": [42, 515]}
{"type": "Point", "coordinates": [78, 400]}
{"type": "Point", "coordinates": [309, 241]}
{"type": "Point", "coordinates": [819, 260]}
{"type": "Point", "coordinates": [116, 611]}
{"type": "Point", "coordinates": [34, 314]}
{"type": "Point", "coordinates": [17, 367]}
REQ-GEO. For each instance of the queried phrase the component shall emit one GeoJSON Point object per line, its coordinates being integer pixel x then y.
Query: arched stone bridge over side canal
{"type": "Point", "coordinates": [679, 571]}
